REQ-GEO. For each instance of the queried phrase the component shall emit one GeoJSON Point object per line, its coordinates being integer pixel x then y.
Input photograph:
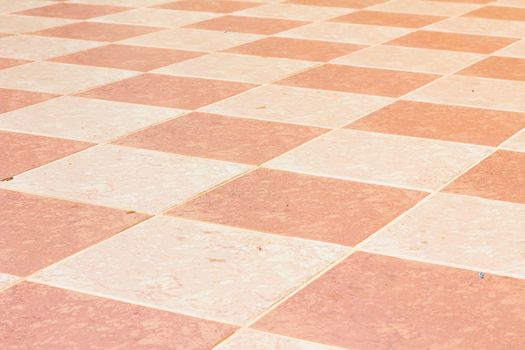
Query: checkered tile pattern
{"type": "Point", "coordinates": [262, 174]}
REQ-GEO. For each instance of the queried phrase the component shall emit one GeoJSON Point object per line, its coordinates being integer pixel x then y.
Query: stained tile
{"type": "Point", "coordinates": [219, 137]}
{"type": "Point", "coordinates": [444, 122]}
{"type": "Point", "coordinates": [500, 176]}
{"type": "Point", "coordinates": [433, 8]}
{"type": "Point", "coordinates": [14, 99]}
{"type": "Point", "coordinates": [362, 80]}
{"type": "Point", "coordinates": [516, 143]}
{"type": "Point", "coordinates": [39, 231]}
{"type": "Point", "coordinates": [345, 32]}
{"type": "Point", "coordinates": [392, 19]}
{"type": "Point", "coordinates": [57, 319]}
{"type": "Point", "coordinates": [301, 205]}
{"type": "Point", "coordinates": [411, 59]}
{"type": "Point", "coordinates": [311, 50]}
{"type": "Point", "coordinates": [481, 26]}
{"type": "Point", "coordinates": [499, 12]}
{"type": "Point", "coordinates": [74, 11]}
{"type": "Point", "coordinates": [156, 17]}
{"type": "Point", "coordinates": [125, 178]}
{"type": "Point", "coordinates": [9, 62]}
{"type": "Point", "coordinates": [25, 24]}
{"type": "Point", "coordinates": [97, 31]}
{"type": "Point", "coordinates": [168, 91]}
{"type": "Point", "coordinates": [252, 69]}
{"type": "Point", "coordinates": [39, 48]}
{"type": "Point", "coordinates": [292, 11]}
{"type": "Point", "coordinates": [338, 3]}
{"type": "Point", "coordinates": [472, 91]}
{"type": "Point", "coordinates": [21, 152]}
{"type": "Point", "coordinates": [128, 57]}
{"type": "Point", "coordinates": [6, 280]}
{"type": "Point", "coordinates": [57, 78]}
{"type": "Point", "coordinates": [297, 105]}
{"type": "Point", "coordinates": [514, 50]}
{"type": "Point", "coordinates": [481, 234]}
{"type": "Point", "coordinates": [498, 68]}
{"type": "Point", "coordinates": [235, 274]}
{"type": "Point", "coordinates": [253, 25]}
{"type": "Point", "coordinates": [372, 301]}
{"type": "Point", "coordinates": [192, 39]}
{"type": "Point", "coordinates": [84, 119]}
{"type": "Point", "coordinates": [250, 339]}
{"type": "Point", "coordinates": [384, 158]}
{"type": "Point", "coordinates": [222, 6]}
{"type": "Point", "coordinates": [453, 41]}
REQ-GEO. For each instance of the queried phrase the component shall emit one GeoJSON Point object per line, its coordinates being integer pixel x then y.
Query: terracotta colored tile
{"type": "Point", "coordinates": [376, 302]}
{"type": "Point", "coordinates": [168, 91]}
{"type": "Point", "coordinates": [468, 1]}
{"type": "Point", "coordinates": [84, 119]}
{"type": "Point", "coordinates": [126, 178]}
{"type": "Point", "coordinates": [311, 50]}
{"type": "Point", "coordinates": [191, 39]}
{"type": "Point", "coordinates": [21, 152]}
{"type": "Point", "coordinates": [499, 12]}
{"type": "Point", "coordinates": [7, 6]}
{"type": "Point", "coordinates": [345, 32]}
{"type": "Point", "coordinates": [472, 91]}
{"type": "Point", "coordinates": [131, 3]}
{"type": "Point", "coordinates": [25, 24]}
{"type": "Point", "coordinates": [222, 6]}
{"type": "Point", "coordinates": [515, 50]}
{"type": "Point", "coordinates": [156, 17]}
{"type": "Point", "coordinates": [389, 159]}
{"type": "Point", "coordinates": [128, 57]}
{"type": "Point", "coordinates": [481, 26]}
{"type": "Point", "coordinates": [9, 62]}
{"type": "Point", "coordinates": [250, 339]}
{"type": "Point", "coordinates": [31, 47]}
{"type": "Point", "coordinates": [371, 81]}
{"type": "Point", "coordinates": [516, 143]}
{"type": "Point", "coordinates": [500, 176]}
{"type": "Point", "coordinates": [432, 8]}
{"type": "Point", "coordinates": [6, 280]}
{"type": "Point", "coordinates": [482, 234]}
{"type": "Point", "coordinates": [251, 69]}
{"type": "Point", "coordinates": [292, 11]}
{"type": "Point", "coordinates": [253, 25]}
{"type": "Point", "coordinates": [451, 123]}
{"type": "Point", "coordinates": [453, 41]}
{"type": "Point", "coordinates": [14, 99]}
{"type": "Point", "coordinates": [411, 59]}
{"type": "Point", "coordinates": [226, 138]}
{"type": "Point", "coordinates": [39, 231]}
{"type": "Point", "coordinates": [300, 205]}
{"type": "Point", "coordinates": [338, 3]}
{"type": "Point", "coordinates": [58, 78]}
{"type": "Point", "coordinates": [498, 68]}
{"type": "Point", "coordinates": [297, 105]}
{"type": "Point", "coordinates": [388, 19]}
{"type": "Point", "coordinates": [56, 318]}
{"type": "Point", "coordinates": [74, 11]}
{"type": "Point", "coordinates": [97, 31]}
{"type": "Point", "coordinates": [235, 275]}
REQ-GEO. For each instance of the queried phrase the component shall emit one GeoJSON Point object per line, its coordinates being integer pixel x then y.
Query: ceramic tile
{"type": "Point", "coordinates": [251, 69]}
{"type": "Point", "coordinates": [453, 41]}
{"type": "Point", "coordinates": [338, 3]}
{"type": "Point", "coordinates": [40, 48]}
{"type": "Point", "coordinates": [57, 78]}
{"type": "Point", "coordinates": [224, 6]}
{"type": "Point", "coordinates": [39, 231]}
{"type": "Point", "coordinates": [499, 12]}
{"type": "Point", "coordinates": [467, 1]}
{"type": "Point", "coordinates": [252, 25]}
{"type": "Point", "coordinates": [515, 50]}
{"type": "Point", "coordinates": [375, 302]}
{"type": "Point", "coordinates": [6, 280]}
{"type": "Point", "coordinates": [249, 339]}
{"type": "Point", "coordinates": [168, 91]}
{"type": "Point", "coordinates": [128, 57]}
{"type": "Point", "coordinates": [512, 3]}
{"type": "Point", "coordinates": [411, 59]}
{"type": "Point", "coordinates": [372, 81]}
{"type": "Point", "coordinates": [57, 318]}
{"type": "Point", "coordinates": [300, 49]}
{"type": "Point", "coordinates": [391, 19]}
{"type": "Point", "coordinates": [296, 105]}
{"type": "Point", "coordinates": [473, 91]}
{"type": "Point", "coordinates": [226, 138]}
{"type": "Point", "coordinates": [481, 234]}
{"type": "Point", "coordinates": [8, 6]}
{"type": "Point", "coordinates": [9, 62]}
{"type": "Point", "coordinates": [444, 122]}
{"type": "Point", "coordinates": [507, 68]}
{"type": "Point", "coordinates": [15, 99]}
{"type": "Point", "coordinates": [156, 17]}
{"type": "Point", "coordinates": [25, 24]}
{"type": "Point", "coordinates": [499, 176]}
{"type": "Point", "coordinates": [389, 159]}
{"type": "Point", "coordinates": [301, 205]}
{"type": "Point", "coordinates": [345, 32]}
{"type": "Point", "coordinates": [130, 3]}
{"type": "Point", "coordinates": [84, 119]}
{"type": "Point", "coordinates": [235, 274]}
{"type": "Point", "coordinates": [126, 178]}
{"type": "Point", "coordinates": [292, 11]}
{"type": "Point", "coordinates": [516, 143]}
{"type": "Point", "coordinates": [192, 39]}
{"type": "Point", "coordinates": [481, 26]}
{"type": "Point", "coordinates": [432, 8]}
{"type": "Point", "coordinates": [71, 10]}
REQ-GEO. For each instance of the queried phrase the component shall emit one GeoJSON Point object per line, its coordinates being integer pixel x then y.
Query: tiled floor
{"type": "Point", "coordinates": [262, 174]}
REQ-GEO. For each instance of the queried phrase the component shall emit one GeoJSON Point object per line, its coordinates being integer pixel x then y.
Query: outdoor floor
{"type": "Point", "coordinates": [262, 174]}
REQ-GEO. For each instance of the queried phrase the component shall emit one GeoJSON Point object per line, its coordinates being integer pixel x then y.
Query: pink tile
{"type": "Point", "coordinates": [14, 99]}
